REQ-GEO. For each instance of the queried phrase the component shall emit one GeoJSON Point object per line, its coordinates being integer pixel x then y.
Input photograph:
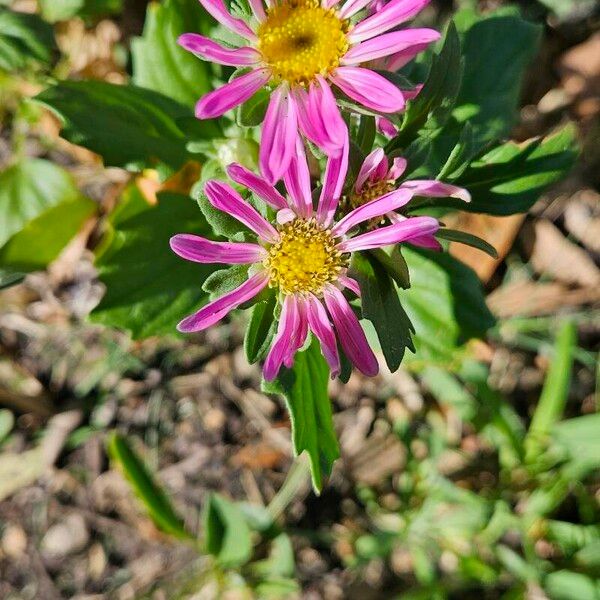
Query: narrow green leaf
{"type": "Point", "coordinates": [365, 136]}
{"type": "Point", "coordinates": [261, 329]}
{"type": "Point", "coordinates": [555, 392]}
{"type": "Point", "coordinates": [381, 305]}
{"type": "Point", "coordinates": [10, 278]}
{"type": "Point", "coordinates": [7, 422]}
{"type": "Point", "coordinates": [462, 237]}
{"type": "Point", "coordinates": [226, 533]}
{"type": "Point", "coordinates": [151, 494]}
{"type": "Point", "coordinates": [394, 264]}
{"type": "Point", "coordinates": [567, 585]}
{"type": "Point", "coordinates": [304, 388]}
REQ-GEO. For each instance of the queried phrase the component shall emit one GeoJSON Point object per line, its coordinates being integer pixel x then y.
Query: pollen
{"type": "Point", "coordinates": [300, 39]}
{"type": "Point", "coordinates": [305, 259]}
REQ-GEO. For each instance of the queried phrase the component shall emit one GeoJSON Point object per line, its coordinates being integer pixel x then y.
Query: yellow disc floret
{"type": "Point", "coordinates": [300, 39]}
{"type": "Point", "coordinates": [304, 259]}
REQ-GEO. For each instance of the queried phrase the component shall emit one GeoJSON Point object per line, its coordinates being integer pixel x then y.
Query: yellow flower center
{"type": "Point", "coordinates": [299, 40]}
{"type": "Point", "coordinates": [305, 258]}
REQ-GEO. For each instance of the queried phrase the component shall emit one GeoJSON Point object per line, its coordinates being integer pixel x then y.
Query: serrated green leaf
{"type": "Point", "coordinates": [381, 306]}
{"type": "Point", "coordinates": [445, 303]}
{"type": "Point", "coordinates": [160, 64]}
{"type": "Point", "coordinates": [148, 287]}
{"type": "Point", "coordinates": [462, 237]}
{"type": "Point", "coordinates": [304, 388]}
{"type": "Point", "coordinates": [132, 127]}
{"type": "Point", "coordinates": [41, 210]}
{"type": "Point", "coordinates": [394, 264]}
{"type": "Point", "coordinates": [226, 533]}
{"type": "Point", "coordinates": [261, 329]}
{"type": "Point", "coordinates": [151, 494]}
{"type": "Point", "coordinates": [24, 39]}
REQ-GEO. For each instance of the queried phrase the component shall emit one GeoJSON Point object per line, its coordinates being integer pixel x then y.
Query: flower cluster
{"type": "Point", "coordinates": [297, 49]}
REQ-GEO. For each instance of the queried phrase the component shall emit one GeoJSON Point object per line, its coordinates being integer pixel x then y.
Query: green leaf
{"type": "Point", "coordinates": [225, 280]}
{"type": "Point", "coordinates": [261, 329]}
{"type": "Point", "coordinates": [10, 278]}
{"type": "Point", "coordinates": [433, 105]}
{"type": "Point", "coordinates": [226, 533]}
{"type": "Point", "coordinates": [280, 563]}
{"type": "Point", "coordinates": [555, 392]}
{"type": "Point", "coordinates": [131, 127]}
{"type": "Point", "coordinates": [394, 264]}
{"type": "Point", "coordinates": [445, 303]}
{"type": "Point", "coordinates": [304, 388]}
{"type": "Point", "coordinates": [41, 210]}
{"type": "Point", "coordinates": [579, 437]}
{"type": "Point", "coordinates": [567, 585]}
{"type": "Point", "coordinates": [61, 10]}
{"type": "Point", "coordinates": [151, 494]}
{"type": "Point", "coordinates": [510, 178]}
{"type": "Point", "coordinates": [24, 39]}
{"type": "Point", "coordinates": [252, 112]}
{"type": "Point", "coordinates": [468, 239]}
{"type": "Point", "coordinates": [7, 422]}
{"type": "Point", "coordinates": [160, 64]}
{"type": "Point", "coordinates": [381, 305]}
{"type": "Point", "coordinates": [148, 287]}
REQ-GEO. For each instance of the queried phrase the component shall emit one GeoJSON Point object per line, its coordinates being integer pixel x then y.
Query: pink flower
{"type": "Point", "coordinates": [376, 177]}
{"type": "Point", "coordinates": [298, 48]}
{"type": "Point", "coordinates": [304, 255]}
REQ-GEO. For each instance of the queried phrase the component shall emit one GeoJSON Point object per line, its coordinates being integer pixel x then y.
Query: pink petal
{"type": "Point", "coordinates": [199, 249]}
{"type": "Point", "coordinates": [386, 127]}
{"type": "Point", "coordinates": [335, 176]}
{"type": "Point", "coordinates": [369, 89]}
{"type": "Point", "coordinates": [216, 8]}
{"type": "Point", "coordinates": [371, 210]}
{"type": "Point", "coordinates": [390, 43]}
{"type": "Point", "coordinates": [236, 92]}
{"type": "Point", "coordinates": [392, 234]}
{"type": "Point", "coordinates": [297, 182]}
{"type": "Point", "coordinates": [283, 338]}
{"type": "Point", "coordinates": [397, 61]}
{"type": "Point", "coordinates": [300, 333]}
{"type": "Point", "coordinates": [279, 132]}
{"type": "Point", "coordinates": [329, 3]}
{"type": "Point", "coordinates": [319, 117]}
{"type": "Point", "coordinates": [209, 50]}
{"type": "Point", "coordinates": [369, 166]}
{"type": "Point", "coordinates": [398, 167]}
{"type": "Point", "coordinates": [256, 184]}
{"type": "Point", "coordinates": [350, 333]}
{"type": "Point", "coordinates": [214, 311]}
{"type": "Point", "coordinates": [351, 7]}
{"type": "Point", "coordinates": [258, 10]}
{"type": "Point", "coordinates": [350, 283]}
{"type": "Point", "coordinates": [391, 15]}
{"type": "Point", "coordinates": [425, 241]}
{"type": "Point", "coordinates": [436, 189]}
{"type": "Point", "coordinates": [225, 198]}
{"type": "Point", "coordinates": [320, 325]}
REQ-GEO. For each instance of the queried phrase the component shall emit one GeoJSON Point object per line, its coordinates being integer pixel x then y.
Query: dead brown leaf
{"type": "Point", "coordinates": [582, 218]}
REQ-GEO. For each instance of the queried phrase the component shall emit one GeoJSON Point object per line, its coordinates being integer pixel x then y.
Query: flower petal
{"type": "Point", "coordinates": [297, 182]}
{"type": "Point", "coordinates": [319, 117]}
{"type": "Point", "coordinates": [225, 198]}
{"type": "Point", "coordinates": [398, 60]}
{"type": "Point", "coordinates": [237, 91]}
{"type": "Point", "coordinates": [258, 9]}
{"type": "Point", "coordinates": [300, 332]}
{"type": "Point", "coordinates": [319, 324]}
{"type": "Point", "coordinates": [350, 283]}
{"type": "Point", "coordinates": [216, 8]}
{"type": "Point", "coordinates": [208, 49]}
{"type": "Point", "coordinates": [392, 234]}
{"type": "Point", "coordinates": [335, 176]}
{"type": "Point", "coordinates": [350, 333]}
{"type": "Point", "coordinates": [279, 133]}
{"type": "Point", "coordinates": [391, 15]}
{"type": "Point", "coordinates": [369, 89]}
{"type": "Point", "coordinates": [351, 7]}
{"type": "Point", "coordinates": [398, 167]}
{"type": "Point", "coordinates": [376, 208]}
{"type": "Point", "coordinates": [389, 44]}
{"type": "Point", "coordinates": [257, 184]}
{"type": "Point", "coordinates": [436, 189]}
{"type": "Point", "coordinates": [199, 249]}
{"type": "Point", "coordinates": [281, 344]}
{"type": "Point", "coordinates": [425, 241]}
{"type": "Point", "coordinates": [369, 166]}
{"type": "Point", "coordinates": [214, 311]}
{"type": "Point", "coordinates": [386, 127]}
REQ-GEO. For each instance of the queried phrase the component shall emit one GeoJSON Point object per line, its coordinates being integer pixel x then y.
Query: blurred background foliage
{"type": "Point", "coordinates": [141, 465]}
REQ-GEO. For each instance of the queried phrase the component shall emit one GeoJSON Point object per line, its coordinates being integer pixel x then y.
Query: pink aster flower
{"type": "Point", "coordinates": [376, 177]}
{"type": "Point", "coordinates": [304, 256]}
{"type": "Point", "coordinates": [298, 49]}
